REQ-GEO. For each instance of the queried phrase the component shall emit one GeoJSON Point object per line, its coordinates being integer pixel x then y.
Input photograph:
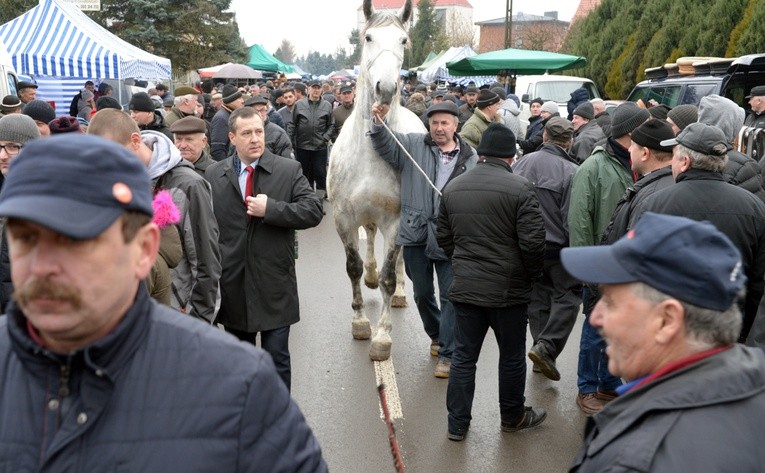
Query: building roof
{"type": "Point", "coordinates": [584, 9]}
{"type": "Point", "coordinates": [521, 17]}
{"type": "Point", "coordinates": [397, 4]}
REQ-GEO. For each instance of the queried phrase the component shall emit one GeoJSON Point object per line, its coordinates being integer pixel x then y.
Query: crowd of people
{"type": "Point", "coordinates": [642, 218]}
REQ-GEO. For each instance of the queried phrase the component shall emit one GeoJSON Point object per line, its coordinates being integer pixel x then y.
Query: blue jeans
{"type": "Point", "coordinates": [277, 343]}
{"type": "Point", "coordinates": [438, 323]}
{"type": "Point", "coordinates": [592, 371]}
{"type": "Point", "coordinates": [509, 326]}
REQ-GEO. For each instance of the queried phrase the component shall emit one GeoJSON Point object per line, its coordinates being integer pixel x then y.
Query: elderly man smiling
{"type": "Point", "coordinates": [694, 400]}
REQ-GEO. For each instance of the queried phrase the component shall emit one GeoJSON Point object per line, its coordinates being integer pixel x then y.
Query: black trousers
{"type": "Point", "coordinates": [276, 343]}
{"type": "Point", "coordinates": [314, 164]}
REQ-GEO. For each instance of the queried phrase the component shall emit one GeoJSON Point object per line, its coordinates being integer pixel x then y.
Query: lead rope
{"type": "Point", "coordinates": [397, 461]}
{"type": "Point", "coordinates": [409, 155]}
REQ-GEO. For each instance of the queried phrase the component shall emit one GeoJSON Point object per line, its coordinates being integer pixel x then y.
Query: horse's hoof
{"type": "Point", "coordinates": [361, 329]}
{"type": "Point", "coordinates": [371, 283]}
{"type": "Point", "coordinates": [398, 302]}
{"type": "Point", "coordinates": [380, 351]}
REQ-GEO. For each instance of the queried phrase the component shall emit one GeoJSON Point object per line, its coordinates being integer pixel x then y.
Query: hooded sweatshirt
{"type": "Point", "coordinates": [509, 112]}
{"type": "Point", "coordinates": [740, 170]}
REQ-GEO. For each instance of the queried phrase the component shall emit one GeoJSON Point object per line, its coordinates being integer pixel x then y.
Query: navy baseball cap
{"type": "Point", "coordinates": [689, 260]}
{"type": "Point", "coordinates": [76, 185]}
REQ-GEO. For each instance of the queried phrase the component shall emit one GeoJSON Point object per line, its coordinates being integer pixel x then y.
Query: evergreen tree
{"type": "Point", "coordinates": [13, 8]}
{"type": "Point", "coordinates": [355, 56]}
{"type": "Point", "coordinates": [426, 35]}
{"type": "Point", "coordinates": [192, 34]}
{"type": "Point", "coordinates": [286, 52]}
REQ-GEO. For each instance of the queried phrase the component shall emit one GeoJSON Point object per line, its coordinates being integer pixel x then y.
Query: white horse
{"type": "Point", "coordinates": [363, 189]}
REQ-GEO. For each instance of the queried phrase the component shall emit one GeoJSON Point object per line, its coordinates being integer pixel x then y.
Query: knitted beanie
{"type": "Point", "coordinates": [18, 128]}
{"type": "Point", "coordinates": [107, 102]}
{"type": "Point", "coordinates": [497, 142]}
{"type": "Point", "coordinates": [684, 115]}
{"type": "Point", "coordinates": [651, 133]}
{"type": "Point", "coordinates": [141, 102]}
{"type": "Point", "coordinates": [64, 125]}
{"type": "Point", "coordinates": [550, 107]}
{"type": "Point", "coordinates": [486, 98]}
{"type": "Point", "coordinates": [500, 91]}
{"type": "Point", "coordinates": [659, 111]}
{"type": "Point", "coordinates": [585, 110]}
{"type": "Point", "coordinates": [626, 118]}
{"type": "Point", "coordinates": [230, 93]}
{"type": "Point", "coordinates": [39, 110]}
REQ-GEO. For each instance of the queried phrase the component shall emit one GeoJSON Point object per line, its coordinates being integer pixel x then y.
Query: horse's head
{"type": "Point", "coordinates": [384, 39]}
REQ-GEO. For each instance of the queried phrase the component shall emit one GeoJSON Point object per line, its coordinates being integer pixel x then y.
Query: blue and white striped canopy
{"type": "Point", "coordinates": [55, 38]}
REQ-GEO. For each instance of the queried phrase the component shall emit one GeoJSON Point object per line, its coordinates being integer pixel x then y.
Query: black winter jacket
{"type": "Point", "coordinates": [490, 225]}
{"type": "Point", "coordinates": [311, 126]}
{"type": "Point", "coordinates": [744, 172]}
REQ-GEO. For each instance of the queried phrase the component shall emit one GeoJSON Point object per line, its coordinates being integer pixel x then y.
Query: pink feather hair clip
{"type": "Point", "coordinates": [165, 211]}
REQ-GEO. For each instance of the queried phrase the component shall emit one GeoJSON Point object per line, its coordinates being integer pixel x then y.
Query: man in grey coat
{"type": "Point", "coordinates": [260, 199]}
{"type": "Point", "coordinates": [442, 155]}
{"type": "Point", "coordinates": [587, 132]}
{"type": "Point", "coordinates": [694, 399]}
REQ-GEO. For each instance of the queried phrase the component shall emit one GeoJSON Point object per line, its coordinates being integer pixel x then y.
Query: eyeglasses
{"type": "Point", "coordinates": [12, 149]}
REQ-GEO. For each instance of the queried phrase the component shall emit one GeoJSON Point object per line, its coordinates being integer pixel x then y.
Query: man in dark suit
{"type": "Point", "coordinates": [260, 199]}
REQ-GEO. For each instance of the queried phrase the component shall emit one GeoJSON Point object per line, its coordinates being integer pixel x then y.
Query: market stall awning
{"type": "Point", "coordinates": [514, 61]}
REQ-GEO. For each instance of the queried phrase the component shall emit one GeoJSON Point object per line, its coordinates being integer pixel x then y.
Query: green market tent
{"type": "Point", "coordinates": [514, 61]}
{"type": "Point", "coordinates": [432, 57]}
{"type": "Point", "coordinates": [261, 60]}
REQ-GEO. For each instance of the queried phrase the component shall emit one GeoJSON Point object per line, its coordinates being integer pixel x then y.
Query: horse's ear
{"type": "Point", "coordinates": [369, 10]}
{"type": "Point", "coordinates": [406, 11]}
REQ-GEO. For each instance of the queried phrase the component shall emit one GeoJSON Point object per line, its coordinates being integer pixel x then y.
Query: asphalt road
{"type": "Point", "coordinates": [334, 382]}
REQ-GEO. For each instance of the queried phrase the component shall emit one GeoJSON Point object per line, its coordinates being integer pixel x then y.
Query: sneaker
{"type": "Point", "coordinates": [435, 345]}
{"type": "Point", "coordinates": [442, 368]}
{"type": "Point", "coordinates": [532, 417]}
{"type": "Point", "coordinates": [457, 436]}
{"type": "Point", "coordinates": [589, 403]}
{"type": "Point", "coordinates": [542, 360]}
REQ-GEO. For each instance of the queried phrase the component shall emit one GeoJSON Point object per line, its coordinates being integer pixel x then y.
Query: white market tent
{"type": "Point", "coordinates": [56, 43]}
{"type": "Point", "coordinates": [437, 70]}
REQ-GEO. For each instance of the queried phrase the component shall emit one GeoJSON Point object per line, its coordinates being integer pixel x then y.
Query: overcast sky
{"type": "Point", "coordinates": [320, 25]}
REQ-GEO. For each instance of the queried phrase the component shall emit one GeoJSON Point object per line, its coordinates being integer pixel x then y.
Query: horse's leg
{"type": "Point", "coordinates": [370, 263]}
{"type": "Point", "coordinates": [399, 297]}
{"type": "Point", "coordinates": [354, 266]}
{"type": "Point", "coordinates": [381, 342]}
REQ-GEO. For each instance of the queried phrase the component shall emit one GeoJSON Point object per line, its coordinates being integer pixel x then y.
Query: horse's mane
{"type": "Point", "coordinates": [380, 19]}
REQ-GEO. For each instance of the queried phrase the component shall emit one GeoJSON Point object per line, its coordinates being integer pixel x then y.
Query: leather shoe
{"type": "Point", "coordinates": [457, 436]}
{"type": "Point", "coordinates": [435, 345]}
{"type": "Point", "coordinates": [442, 368]}
{"type": "Point", "coordinates": [542, 360]}
{"type": "Point", "coordinates": [589, 403]}
{"type": "Point", "coordinates": [607, 395]}
{"type": "Point", "coordinates": [532, 416]}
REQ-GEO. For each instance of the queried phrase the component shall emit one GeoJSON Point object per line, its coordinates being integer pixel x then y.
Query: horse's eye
{"type": "Point", "coordinates": [403, 40]}
{"type": "Point", "coordinates": [368, 37]}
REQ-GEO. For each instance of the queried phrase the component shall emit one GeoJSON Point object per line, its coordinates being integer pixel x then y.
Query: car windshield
{"type": "Point", "coordinates": [561, 91]}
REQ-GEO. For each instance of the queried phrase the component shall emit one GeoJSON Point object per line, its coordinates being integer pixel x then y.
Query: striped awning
{"type": "Point", "coordinates": [56, 39]}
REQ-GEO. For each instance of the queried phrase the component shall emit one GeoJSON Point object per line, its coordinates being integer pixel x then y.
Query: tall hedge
{"type": "Point", "coordinates": [621, 39]}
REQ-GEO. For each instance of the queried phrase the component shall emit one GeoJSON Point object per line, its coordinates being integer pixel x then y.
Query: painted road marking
{"type": "Point", "coordinates": [386, 374]}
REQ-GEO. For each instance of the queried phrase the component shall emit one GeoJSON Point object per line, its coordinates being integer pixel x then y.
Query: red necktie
{"type": "Point", "coordinates": [248, 183]}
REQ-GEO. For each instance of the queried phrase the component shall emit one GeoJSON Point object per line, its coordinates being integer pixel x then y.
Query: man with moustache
{"type": "Point", "coordinates": [92, 369]}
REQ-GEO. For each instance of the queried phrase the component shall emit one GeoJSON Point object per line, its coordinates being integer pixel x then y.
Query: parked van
{"type": "Point", "coordinates": [549, 87]}
{"type": "Point", "coordinates": [9, 79]}
{"type": "Point", "coordinates": [689, 79]}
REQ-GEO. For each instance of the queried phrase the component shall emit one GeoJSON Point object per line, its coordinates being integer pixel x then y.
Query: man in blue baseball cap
{"type": "Point", "coordinates": [694, 400]}
{"type": "Point", "coordinates": [90, 366]}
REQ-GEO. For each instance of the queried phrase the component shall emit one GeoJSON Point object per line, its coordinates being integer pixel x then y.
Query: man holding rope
{"type": "Point", "coordinates": [427, 162]}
